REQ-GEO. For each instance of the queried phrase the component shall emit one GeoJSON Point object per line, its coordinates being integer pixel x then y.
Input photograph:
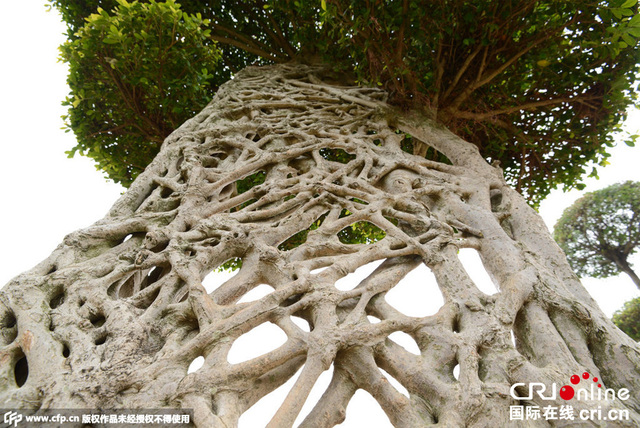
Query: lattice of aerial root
{"type": "Point", "coordinates": [299, 183]}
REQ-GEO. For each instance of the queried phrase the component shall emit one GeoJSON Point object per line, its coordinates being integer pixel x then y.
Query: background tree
{"type": "Point", "coordinates": [601, 230]}
{"type": "Point", "coordinates": [303, 173]}
{"type": "Point", "coordinates": [628, 318]}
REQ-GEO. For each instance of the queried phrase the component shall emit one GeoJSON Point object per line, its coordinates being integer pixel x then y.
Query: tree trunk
{"type": "Point", "coordinates": [114, 317]}
{"type": "Point", "coordinates": [626, 268]}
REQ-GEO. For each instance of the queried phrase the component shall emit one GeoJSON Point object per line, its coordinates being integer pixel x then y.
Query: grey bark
{"type": "Point", "coordinates": [110, 322]}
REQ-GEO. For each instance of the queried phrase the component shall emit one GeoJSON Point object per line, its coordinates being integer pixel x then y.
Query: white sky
{"type": "Point", "coordinates": [47, 195]}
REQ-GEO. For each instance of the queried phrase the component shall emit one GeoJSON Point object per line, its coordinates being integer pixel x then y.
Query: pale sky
{"type": "Point", "coordinates": [47, 195]}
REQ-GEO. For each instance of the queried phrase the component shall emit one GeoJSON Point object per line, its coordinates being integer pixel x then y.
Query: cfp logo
{"type": "Point", "coordinates": [12, 418]}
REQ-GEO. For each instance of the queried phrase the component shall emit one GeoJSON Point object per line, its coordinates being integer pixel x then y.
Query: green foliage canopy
{"type": "Point", "coordinates": [539, 86]}
{"type": "Point", "coordinates": [135, 76]}
{"type": "Point", "coordinates": [628, 318]}
{"type": "Point", "coordinates": [601, 230]}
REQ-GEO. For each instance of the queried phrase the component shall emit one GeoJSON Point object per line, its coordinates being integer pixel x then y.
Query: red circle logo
{"type": "Point", "coordinates": [567, 392]}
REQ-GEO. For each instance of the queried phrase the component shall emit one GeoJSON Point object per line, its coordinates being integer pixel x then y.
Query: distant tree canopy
{"type": "Point", "coordinates": [601, 230]}
{"type": "Point", "coordinates": [628, 318]}
{"type": "Point", "coordinates": [539, 86]}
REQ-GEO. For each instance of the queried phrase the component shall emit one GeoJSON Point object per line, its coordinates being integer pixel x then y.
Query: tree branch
{"type": "Point", "coordinates": [251, 49]}
{"type": "Point", "coordinates": [484, 79]}
{"type": "Point", "coordinates": [277, 39]}
{"type": "Point", "coordinates": [239, 36]}
{"type": "Point", "coordinates": [439, 74]}
{"type": "Point", "coordinates": [403, 26]}
{"type": "Point", "coordinates": [282, 39]}
{"type": "Point", "coordinates": [528, 106]}
{"type": "Point", "coordinates": [461, 71]}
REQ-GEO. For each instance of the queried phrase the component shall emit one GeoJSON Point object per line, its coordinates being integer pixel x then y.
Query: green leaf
{"type": "Point", "coordinates": [135, 43]}
{"type": "Point", "coordinates": [357, 38]}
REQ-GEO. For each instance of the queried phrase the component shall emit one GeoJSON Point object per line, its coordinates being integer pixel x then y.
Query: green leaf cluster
{"type": "Point", "coordinates": [361, 232]}
{"type": "Point", "coordinates": [628, 318]}
{"type": "Point", "coordinates": [301, 237]}
{"type": "Point", "coordinates": [539, 86]}
{"type": "Point", "coordinates": [601, 230]}
{"type": "Point", "coordinates": [250, 181]}
{"type": "Point", "coordinates": [135, 75]}
{"type": "Point", "coordinates": [230, 265]}
{"type": "Point", "coordinates": [336, 155]}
